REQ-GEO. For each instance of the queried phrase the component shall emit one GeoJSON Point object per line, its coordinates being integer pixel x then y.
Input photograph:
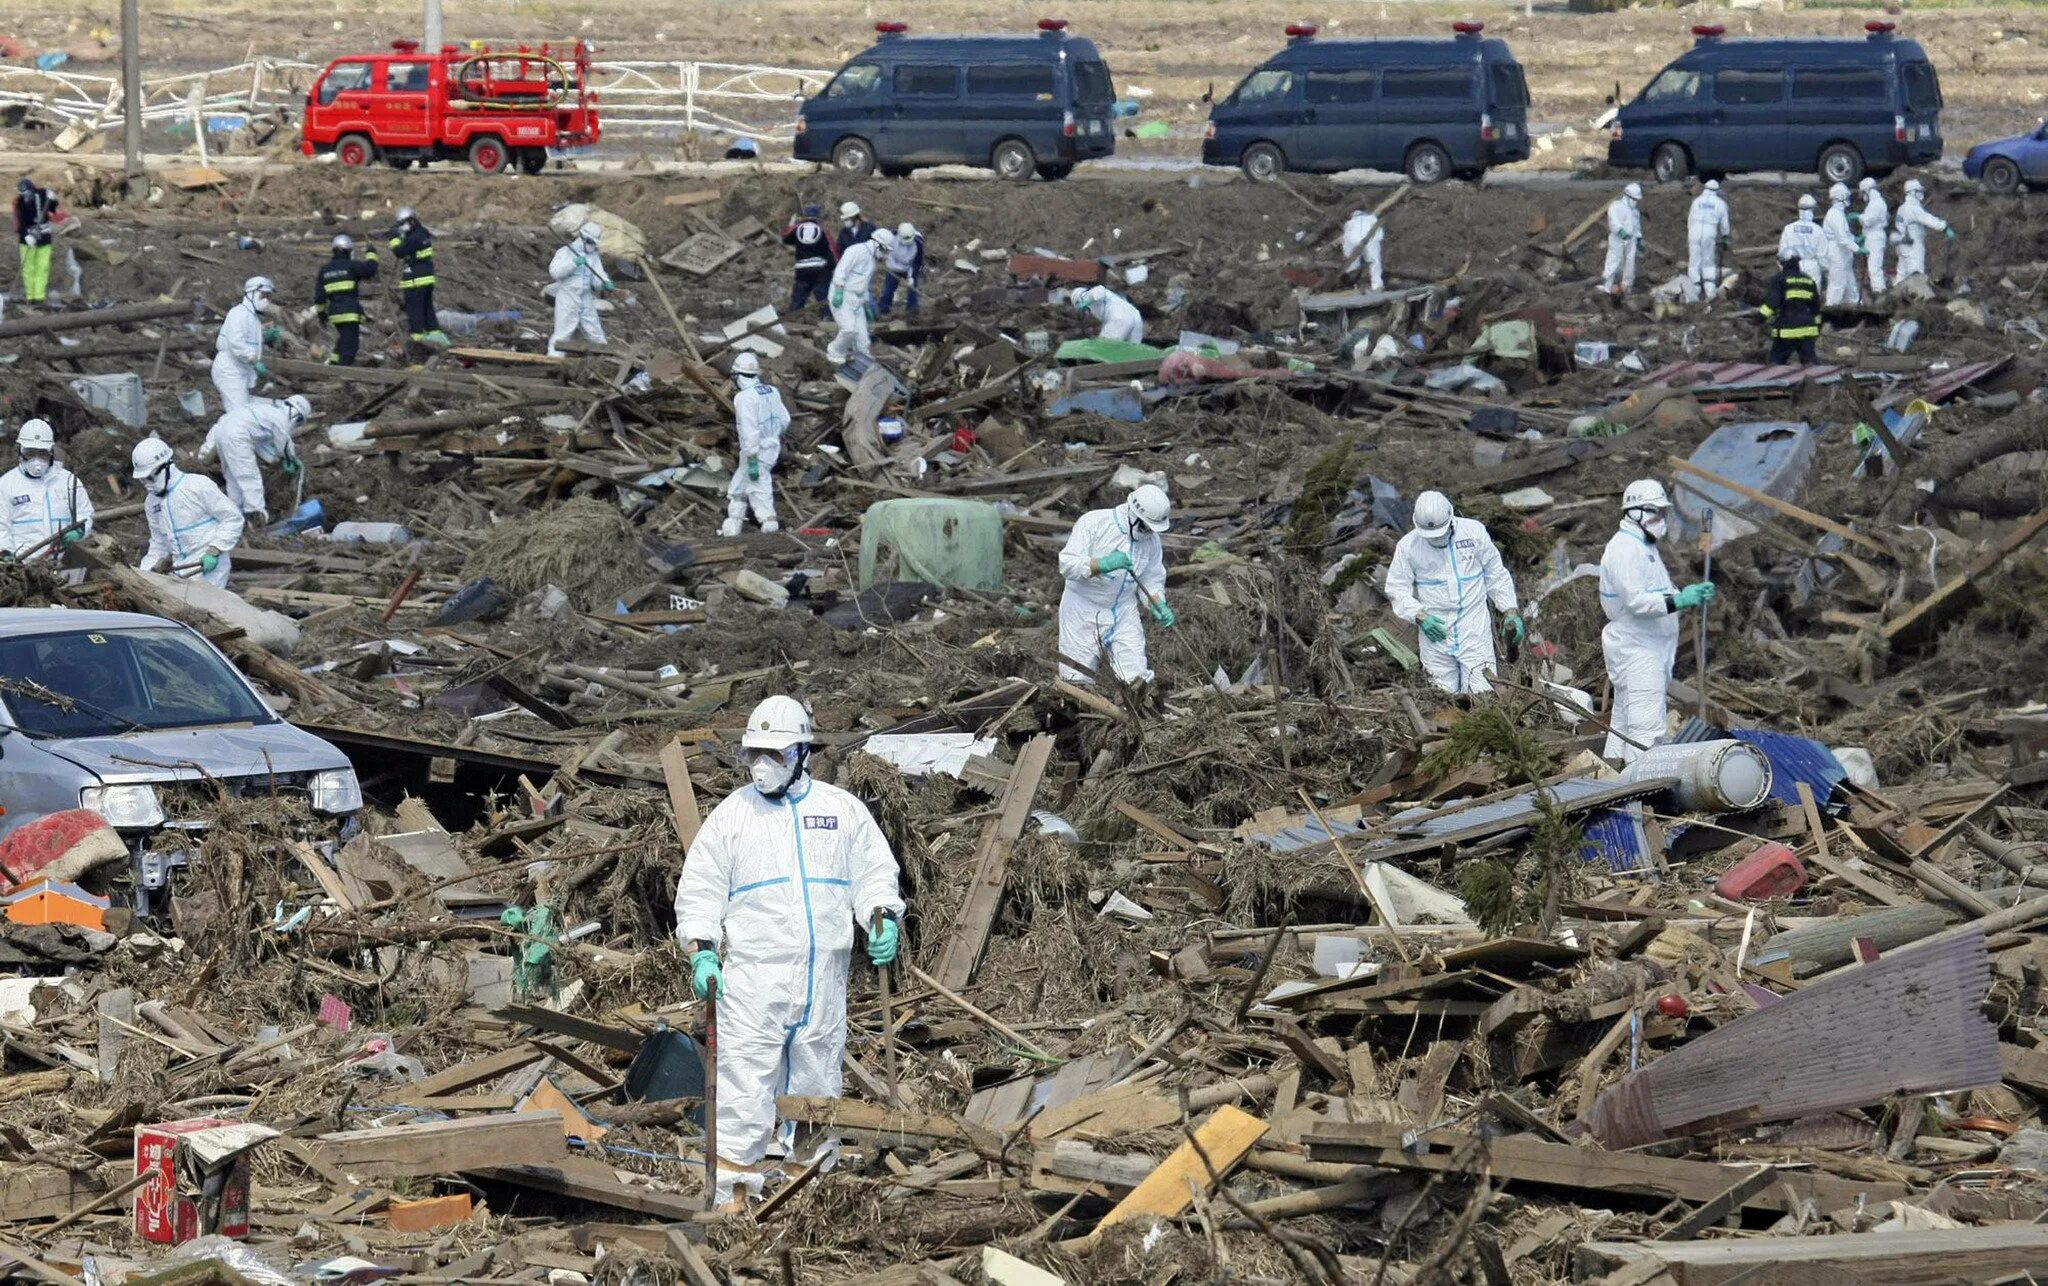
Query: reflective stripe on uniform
{"type": "Point", "coordinates": [414, 283]}
{"type": "Point", "coordinates": [344, 319]}
{"type": "Point", "coordinates": [1796, 332]}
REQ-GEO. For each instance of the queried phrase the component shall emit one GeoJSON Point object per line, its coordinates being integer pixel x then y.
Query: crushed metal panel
{"type": "Point", "coordinates": [1617, 837]}
{"type": "Point", "coordinates": [1910, 1023]}
{"type": "Point", "coordinates": [1737, 375]}
{"type": "Point", "coordinates": [701, 253]}
{"type": "Point", "coordinates": [1795, 759]}
{"type": "Point", "coordinates": [1512, 810]}
{"type": "Point", "coordinates": [1946, 386]}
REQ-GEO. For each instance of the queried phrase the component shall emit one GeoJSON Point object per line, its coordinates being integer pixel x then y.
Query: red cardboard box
{"type": "Point", "coordinates": [199, 1178]}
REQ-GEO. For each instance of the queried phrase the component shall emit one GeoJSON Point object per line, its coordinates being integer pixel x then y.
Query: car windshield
{"type": "Point", "coordinates": [94, 683]}
{"type": "Point", "coordinates": [1092, 86]}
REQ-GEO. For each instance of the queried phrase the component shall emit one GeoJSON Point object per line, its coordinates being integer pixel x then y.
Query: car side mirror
{"type": "Point", "coordinates": [1209, 94]}
{"type": "Point", "coordinates": [1610, 100]}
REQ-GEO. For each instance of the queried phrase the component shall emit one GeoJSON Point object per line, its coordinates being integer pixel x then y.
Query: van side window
{"type": "Point", "coordinates": [1923, 88]}
{"type": "Point", "coordinates": [1346, 86]}
{"type": "Point", "coordinates": [914, 80]}
{"type": "Point", "coordinates": [1092, 85]}
{"type": "Point", "coordinates": [1011, 80]}
{"type": "Point", "coordinates": [1732, 86]}
{"type": "Point", "coordinates": [343, 78]}
{"type": "Point", "coordinates": [1855, 83]}
{"type": "Point", "coordinates": [1509, 88]}
{"type": "Point", "coordinates": [405, 78]}
{"type": "Point", "coordinates": [1426, 82]}
{"type": "Point", "coordinates": [1267, 85]}
{"type": "Point", "coordinates": [855, 80]}
{"type": "Point", "coordinates": [1673, 85]}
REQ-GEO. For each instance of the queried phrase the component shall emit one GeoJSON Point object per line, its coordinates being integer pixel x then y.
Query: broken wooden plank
{"type": "Point", "coordinates": [1224, 1140]}
{"type": "Point", "coordinates": [589, 1181]}
{"type": "Point", "coordinates": [1905, 1257]}
{"type": "Point", "coordinates": [443, 1147]}
{"type": "Point", "coordinates": [969, 935]}
{"type": "Point", "coordinates": [1926, 617]}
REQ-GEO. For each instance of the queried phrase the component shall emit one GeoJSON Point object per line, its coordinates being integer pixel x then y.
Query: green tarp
{"type": "Point", "coordinates": [956, 543]}
{"type": "Point", "coordinates": [1107, 350]}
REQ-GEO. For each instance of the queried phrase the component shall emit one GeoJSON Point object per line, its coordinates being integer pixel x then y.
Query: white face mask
{"type": "Point", "coordinates": [772, 772]}
{"type": "Point", "coordinates": [1656, 525]}
{"type": "Point", "coordinates": [261, 303]}
{"type": "Point", "coordinates": [1439, 542]}
{"type": "Point", "coordinates": [159, 483]}
{"type": "Point", "coordinates": [35, 466]}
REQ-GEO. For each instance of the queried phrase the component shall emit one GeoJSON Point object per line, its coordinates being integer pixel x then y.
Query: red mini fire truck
{"type": "Point", "coordinates": [495, 107]}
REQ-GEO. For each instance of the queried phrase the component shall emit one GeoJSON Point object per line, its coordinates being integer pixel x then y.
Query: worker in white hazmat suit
{"type": "Point", "coordinates": [1804, 238]}
{"type": "Point", "coordinates": [1447, 578]}
{"type": "Point", "coordinates": [760, 419]}
{"type": "Point", "coordinates": [1640, 640]}
{"type": "Point", "coordinates": [1120, 318]}
{"type": "Point", "coordinates": [1839, 236]}
{"type": "Point", "coordinates": [1912, 227]}
{"type": "Point", "coordinates": [238, 348]}
{"type": "Point", "coordinates": [1624, 235]}
{"type": "Point", "coordinates": [777, 880]}
{"type": "Point", "coordinates": [1706, 231]}
{"type": "Point", "coordinates": [193, 525]}
{"type": "Point", "coordinates": [852, 281]}
{"type": "Point", "coordinates": [1116, 575]}
{"type": "Point", "coordinates": [40, 498]}
{"type": "Point", "coordinates": [1364, 238]}
{"type": "Point", "coordinates": [254, 434]}
{"type": "Point", "coordinates": [1875, 222]}
{"type": "Point", "coordinates": [579, 276]}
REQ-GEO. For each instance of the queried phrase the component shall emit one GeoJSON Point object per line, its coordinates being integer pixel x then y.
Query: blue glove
{"type": "Point", "coordinates": [73, 536]}
{"type": "Point", "coordinates": [292, 466]}
{"type": "Point", "coordinates": [1434, 629]}
{"type": "Point", "coordinates": [1162, 613]}
{"type": "Point", "coordinates": [1698, 594]}
{"type": "Point", "coordinates": [1116, 560]}
{"type": "Point", "coordinates": [705, 974]}
{"type": "Point", "coordinates": [838, 296]}
{"type": "Point", "coordinates": [1516, 630]}
{"type": "Point", "coordinates": [1950, 233]}
{"type": "Point", "coordinates": [208, 561]}
{"type": "Point", "coordinates": [882, 942]}
{"type": "Point", "coordinates": [753, 469]}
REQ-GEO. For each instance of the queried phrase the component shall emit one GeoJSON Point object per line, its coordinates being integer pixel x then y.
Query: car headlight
{"type": "Point", "coordinates": [124, 807]}
{"type": "Point", "coordinates": [336, 791]}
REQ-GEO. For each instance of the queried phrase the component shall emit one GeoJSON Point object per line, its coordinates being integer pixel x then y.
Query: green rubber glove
{"type": "Point", "coordinates": [262, 371]}
{"type": "Point", "coordinates": [73, 536]}
{"type": "Point", "coordinates": [870, 308]}
{"type": "Point", "coordinates": [272, 334]}
{"type": "Point", "coordinates": [1115, 560]}
{"type": "Point", "coordinates": [1434, 629]}
{"type": "Point", "coordinates": [1516, 630]}
{"type": "Point", "coordinates": [208, 561]}
{"type": "Point", "coordinates": [1162, 613]}
{"type": "Point", "coordinates": [292, 466]}
{"type": "Point", "coordinates": [705, 974]}
{"type": "Point", "coordinates": [883, 942]}
{"type": "Point", "coordinates": [1950, 233]}
{"type": "Point", "coordinates": [753, 469]}
{"type": "Point", "coordinates": [1697, 594]}
{"type": "Point", "coordinates": [838, 296]}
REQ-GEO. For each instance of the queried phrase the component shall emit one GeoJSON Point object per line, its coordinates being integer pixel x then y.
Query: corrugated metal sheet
{"type": "Point", "coordinates": [1909, 1023]}
{"type": "Point", "coordinates": [1708, 377]}
{"type": "Point", "coordinates": [1795, 759]}
{"type": "Point", "coordinates": [1616, 836]}
{"type": "Point", "coordinates": [1515, 810]}
{"type": "Point", "coordinates": [1947, 385]}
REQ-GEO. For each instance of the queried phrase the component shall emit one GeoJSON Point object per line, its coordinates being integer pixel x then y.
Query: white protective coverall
{"type": "Point", "coordinates": [38, 508]}
{"type": "Point", "coordinates": [1363, 228]}
{"type": "Point", "coordinates": [1455, 583]}
{"type": "Point", "coordinates": [1877, 218]}
{"type": "Point", "coordinates": [1804, 238]}
{"type": "Point", "coordinates": [236, 350]}
{"type": "Point", "coordinates": [1624, 234]}
{"type": "Point", "coordinates": [1121, 320]}
{"type": "Point", "coordinates": [1103, 617]}
{"type": "Point", "coordinates": [853, 278]}
{"type": "Point", "coordinates": [190, 518]}
{"type": "Point", "coordinates": [1640, 640]}
{"type": "Point", "coordinates": [760, 419]}
{"type": "Point", "coordinates": [1706, 226]}
{"type": "Point", "coordinates": [1914, 223]}
{"type": "Point", "coordinates": [1840, 256]}
{"type": "Point", "coordinates": [777, 886]}
{"type": "Point", "coordinates": [579, 277]}
{"type": "Point", "coordinates": [249, 436]}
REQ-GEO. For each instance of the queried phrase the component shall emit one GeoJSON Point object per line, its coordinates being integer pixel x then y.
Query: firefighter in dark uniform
{"type": "Point", "coordinates": [816, 257]}
{"type": "Point", "coordinates": [414, 246]}
{"type": "Point", "coordinates": [337, 294]}
{"type": "Point", "coordinates": [1791, 309]}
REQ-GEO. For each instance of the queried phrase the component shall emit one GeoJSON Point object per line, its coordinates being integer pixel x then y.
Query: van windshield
{"type": "Point", "coordinates": [1923, 88]}
{"type": "Point", "coordinates": [1262, 87]}
{"type": "Point", "coordinates": [1092, 86]}
{"type": "Point", "coordinates": [855, 80]}
{"type": "Point", "coordinates": [1509, 89]}
{"type": "Point", "coordinates": [88, 683]}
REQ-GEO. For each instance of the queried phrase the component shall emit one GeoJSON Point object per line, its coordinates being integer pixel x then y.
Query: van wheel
{"type": "Point", "coordinates": [533, 160]}
{"type": "Point", "coordinates": [487, 155]}
{"type": "Point", "coordinates": [399, 162]}
{"type": "Point", "coordinates": [1012, 160]}
{"type": "Point", "coordinates": [1670, 163]}
{"type": "Point", "coordinates": [2001, 176]}
{"type": "Point", "coordinates": [1427, 163]}
{"type": "Point", "coordinates": [354, 150]}
{"type": "Point", "coordinates": [1840, 163]}
{"type": "Point", "coordinates": [1054, 173]}
{"type": "Point", "coordinates": [853, 156]}
{"type": "Point", "coordinates": [1262, 163]}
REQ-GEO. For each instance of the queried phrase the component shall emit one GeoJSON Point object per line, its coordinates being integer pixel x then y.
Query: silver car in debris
{"type": "Point", "coordinates": [143, 721]}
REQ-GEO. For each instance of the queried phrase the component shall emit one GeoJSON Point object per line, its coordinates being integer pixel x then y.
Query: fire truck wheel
{"type": "Point", "coordinates": [487, 155]}
{"type": "Point", "coordinates": [355, 150]}
{"type": "Point", "coordinates": [532, 160]}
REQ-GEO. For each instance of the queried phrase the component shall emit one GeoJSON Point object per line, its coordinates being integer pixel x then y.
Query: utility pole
{"type": "Point", "coordinates": [433, 40]}
{"type": "Point", "coordinates": [131, 89]}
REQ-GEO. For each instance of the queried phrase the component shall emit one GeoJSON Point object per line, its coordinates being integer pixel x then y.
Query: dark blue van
{"type": "Point", "coordinates": [1840, 107]}
{"type": "Point", "coordinates": [1433, 109]}
{"type": "Point", "coordinates": [1020, 105]}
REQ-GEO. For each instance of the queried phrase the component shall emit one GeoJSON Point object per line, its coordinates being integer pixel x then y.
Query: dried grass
{"type": "Point", "coordinates": [582, 545]}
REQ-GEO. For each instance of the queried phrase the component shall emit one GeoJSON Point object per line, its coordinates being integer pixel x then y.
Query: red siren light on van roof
{"type": "Point", "coordinates": [1710, 31]}
{"type": "Point", "coordinates": [891, 28]}
{"type": "Point", "coordinates": [1301, 30]}
{"type": "Point", "coordinates": [1468, 27]}
{"type": "Point", "coordinates": [405, 46]}
{"type": "Point", "coordinates": [1052, 24]}
{"type": "Point", "coordinates": [1880, 29]}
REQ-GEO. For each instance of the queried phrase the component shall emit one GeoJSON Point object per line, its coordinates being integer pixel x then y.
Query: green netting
{"type": "Point", "coordinates": [957, 543]}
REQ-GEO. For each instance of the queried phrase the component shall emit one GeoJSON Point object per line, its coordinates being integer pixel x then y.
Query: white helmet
{"type": "Point", "coordinates": [1867, 185]}
{"type": "Point", "coordinates": [35, 435]}
{"type": "Point", "coordinates": [777, 724]}
{"type": "Point", "coordinates": [884, 238]}
{"type": "Point", "coordinates": [1432, 514]}
{"type": "Point", "coordinates": [151, 454]}
{"type": "Point", "coordinates": [1806, 201]}
{"type": "Point", "coordinates": [1915, 187]}
{"type": "Point", "coordinates": [1149, 505]}
{"type": "Point", "coordinates": [344, 242]}
{"type": "Point", "coordinates": [906, 230]}
{"type": "Point", "coordinates": [1713, 185]}
{"type": "Point", "coordinates": [1645, 493]}
{"type": "Point", "coordinates": [1839, 193]}
{"type": "Point", "coordinates": [1633, 191]}
{"type": "Point", "coordinates": [849, 210]}
{"type": "Point", "coordinates": [591, 232]}
{"type": "Point", "coordinates": [1088, 296]}
{"type": "Point", "coordinates": [301, 409]}
{"type": "Point", "coordinates": [259, 286]}
{"type": "Point", "coordinates": [406, 215]}
{"type": "Point", "coordinates": [746, 364]}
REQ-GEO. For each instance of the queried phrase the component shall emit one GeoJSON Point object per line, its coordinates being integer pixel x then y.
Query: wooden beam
{"type": "Point", "coordinates": [588, 1181]}
{"type": "Point", "coordinates": [1907, 1258]}
{"type": "Point", "coordinates": [444, 1147]}
{"type": "Point", "coordinates": [1224, 1139]}
{"type": "Point", "coordinates": [977, 915]}
{"type": "Point", "coordinates": [1925, 617]}
{"type": "Point", "coordinates": [682, 793]}
{"type": "Point", "coordinates": [1721, 1205]}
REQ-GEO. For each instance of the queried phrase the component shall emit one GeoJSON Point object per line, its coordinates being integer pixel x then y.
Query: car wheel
{"type": "Point", "coordinates": [1427, 163]}
{"type": "Point", "coordinates": [399, 162]}
{"type": "Point", "coordinates": [1670, 163]}
{"type": "Point", "coordinates": [533, 160]}
{"type": "Point", "coordinates": [354, 151]}
{"type": "Point", "coordinates": [1840, 163]}
{"type": "Point", "coordinates": [2001, 176]}
{"type": "Point", "coordinates": [1054, 173]}
{"type": "Point", "coordinates": [487, 155]}
{"type": "Point", "coordinates": [1262, 163]}
{"type": "Point", "coordinates": [1012, 160]}
{"type": "Point", "coordinates": [853, 157]}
